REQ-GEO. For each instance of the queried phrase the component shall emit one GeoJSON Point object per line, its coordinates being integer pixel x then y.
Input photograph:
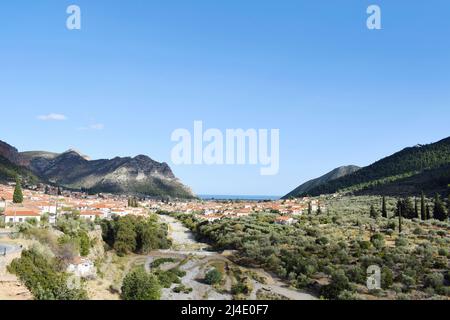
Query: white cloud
{"type": "Point", "coordinates": [52, 117]}
{"type": "Point", "coordinates": [95, 126]}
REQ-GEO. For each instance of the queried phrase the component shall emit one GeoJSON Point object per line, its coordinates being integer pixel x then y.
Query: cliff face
{"type": "Point", "coordinates": [71, 169]}
{"type": "Point", "coordinates": [139, 175]}
{"type": "Point", "coordinates": [10, 153]}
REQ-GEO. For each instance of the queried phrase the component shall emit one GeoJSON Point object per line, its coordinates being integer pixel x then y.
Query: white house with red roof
{"type": "Point", "coordinates": [90, 214]}
{"type": "Point", "coordinates": [285, 220]}
{"type": "Point", "coordinates": [21, 215]}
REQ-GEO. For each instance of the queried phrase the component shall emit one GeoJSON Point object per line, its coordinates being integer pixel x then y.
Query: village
{"type": "Point", "coordinates": [44, 202]}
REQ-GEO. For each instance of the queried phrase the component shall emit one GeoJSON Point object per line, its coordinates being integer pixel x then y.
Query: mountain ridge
{"type": "Point", "coordinates": [332, 175]}
{"type": "Point", "coordinates": [405, 166]}
{"type": "Point", "coordinates": [72, 169]}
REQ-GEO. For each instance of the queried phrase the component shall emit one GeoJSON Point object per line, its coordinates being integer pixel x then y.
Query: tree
{"type": "Point", "coordinates": [373, 212]}
{"type": "Point", "coordinates": [319, 210]}
{"type": "Point", "coordinates": [423, 213]}
{"type": "Point", "coordinates": [213, 276]}
{"type": "Point", "coordinates": [18, 195]}
{"type": "Point", "coordinates": [40, 275]}
{"type": "Point", "coordinates": [439, 212]}
{"type": "Point", "coordinates": [384, 213]}
{"type": "Point", "coordinates": [125, 240]}
{"type": "Point", "coordinates": [309, 208]}
{"type": "Point", "coordinates": [400, 214]}
{"type": "Point", "coordinates": [428, 212]}
{"type": "Point", "coordinates": [339, 283]}
{"type": "Point", "coordinates": [140, 285]}
{"type": "Point", "coordinates": [85, 243]}
{"type": "Point", "coordinates": [416, 209]}
{"type": "Point", "coordinates": [448, 204]}
{"type": "Point", "coordinates": [59, 191]}
{"type": "Point", "coordinates": [408, 209]}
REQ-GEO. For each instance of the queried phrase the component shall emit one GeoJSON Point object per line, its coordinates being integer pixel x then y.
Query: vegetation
{"type": "Point", "coordinates": [338, 246]}
{"type": "Point", "coordinates": [169, 277]}
{"type": "Point", "coordinates": [140, 285]}
{"type": "Point", "coordinates": [158, 262]}
{"type": "Point", "coordinates": [41, 276]}
{"type": "Point", "coordinates": [213, 277]}
{"type": "Point", "coordinates": [430, 162]}
{"type": "Point", "coordinates": [10, 171]}
{"type": "Point", "coordinates": [135, 234]}
{"type": "Point", "coordinates": [133, 202]}
{"type": "Point", "coordinates": [18, 195]}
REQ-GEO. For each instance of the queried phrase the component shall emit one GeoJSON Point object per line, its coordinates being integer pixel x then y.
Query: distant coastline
{"type": "Point", "coordinates": [238, 197]}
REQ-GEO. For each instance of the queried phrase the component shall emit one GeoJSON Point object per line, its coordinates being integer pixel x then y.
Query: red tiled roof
{"type": "Point", "coordinates": [21, 213]}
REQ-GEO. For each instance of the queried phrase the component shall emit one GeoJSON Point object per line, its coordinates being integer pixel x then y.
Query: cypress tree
{"type": "Point", "coordinates": [448, 205]}
{"type": "Point", "coordinates": [309, 208]}
{"type": "Point", "coordinates": [383, 208]}
{"type": "Point", "coordinates": [18, 195]}
{"type": "Point", "coordinates": [428, 212]}
{"type": "Point", "coordinates": [416, 209]}
{"type": "Point", "coordinates": [423, 213]}
{"type": "Point", "coordinates": [408, 209]}
{"type": "Point", "coordinates": [439, 211]}
{"type": "Point", "coordinates": [319, 210]}
{"type": "Point", "coordinates": [400, 213]}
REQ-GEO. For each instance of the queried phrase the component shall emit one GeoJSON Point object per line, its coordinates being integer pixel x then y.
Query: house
{"type": "Point", "coordinates": [285, 220]}
{"type": "Point", "coordinates": [16, 215]}
{"type": "Point", "coordinates": [46, 207]}
{"type": "Point", "coordinates": [90, 214]}
{"type": "Point", "coordinates": [82, 268]}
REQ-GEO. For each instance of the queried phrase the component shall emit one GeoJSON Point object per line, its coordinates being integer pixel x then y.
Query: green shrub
{"type": "Point", "coordinates": [434, 280]}
{"type": "Point", "coordinates": [40, 276]}
{"type": "Point", "coordinates": [140, 285]}
{"type": "Point", "coordinates": [213, 276]}
{"type": "Point", "coordinates": [339, 283]}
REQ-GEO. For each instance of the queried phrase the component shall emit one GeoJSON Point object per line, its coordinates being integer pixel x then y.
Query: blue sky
{"type": "Point", "coordinates": [339, 93]}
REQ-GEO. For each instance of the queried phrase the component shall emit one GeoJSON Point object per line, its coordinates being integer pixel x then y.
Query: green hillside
{"type": "Point", "coordinates": [423, 166]}
{"type": "Point", "coordinates": [9, 172]}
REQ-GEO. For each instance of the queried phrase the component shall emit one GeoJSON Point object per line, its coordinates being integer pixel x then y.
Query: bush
{"type": "Point", "coordinates": [434, 280]}
{"type": "Point", "coordinates": [158, 262]}
{"type": "Point", "coordinates": [401, 242]}
{"type": "Point", "coordinates": [387, 278]}
{"type": "Point", "coordinates": [40, 276]}
{"type": "Point", "coordinates": [339, 283]}
{"type": "Point", "coordinates": [356, 274]}
{"type": "Point", "coordinates": [140, 285]}
{"type": "Point", "coordinates": [167, 278]}
{"type": "Point", "coordinates": [182, 289]}
{"type": "Point", "coordinates": [213, 276]}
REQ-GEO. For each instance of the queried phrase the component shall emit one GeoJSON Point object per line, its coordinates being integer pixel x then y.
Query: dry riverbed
{"type": "Point", "coordinates": [195, 258]}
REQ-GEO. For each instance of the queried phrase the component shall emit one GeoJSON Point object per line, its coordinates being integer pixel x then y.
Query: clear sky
{"type": "Point", "coordinates": [139, 69]}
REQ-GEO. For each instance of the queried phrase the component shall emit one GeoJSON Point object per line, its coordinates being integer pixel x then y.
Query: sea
{"type": "Point", "coordinates": [239, 197]}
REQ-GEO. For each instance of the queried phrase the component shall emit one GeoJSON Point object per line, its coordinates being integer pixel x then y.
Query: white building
{"type": "Point", "coordinates": [82, 268]}
{"type": "Point", "coordinates": [21, 215]}
{"type": "Point", "coordinates": [90, 214]}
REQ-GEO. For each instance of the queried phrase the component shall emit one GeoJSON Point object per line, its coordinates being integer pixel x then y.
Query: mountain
{"type": "Point", "coordinates": [9, 153]}
{"type": "Point", "coordinates": [10, 165]}
{"type": "Point", "coordinates": [410, 171]}
{"type": "Point", "coordinates": [71, 169]}
{"type": "Point", "coordinates": [311, 184]}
